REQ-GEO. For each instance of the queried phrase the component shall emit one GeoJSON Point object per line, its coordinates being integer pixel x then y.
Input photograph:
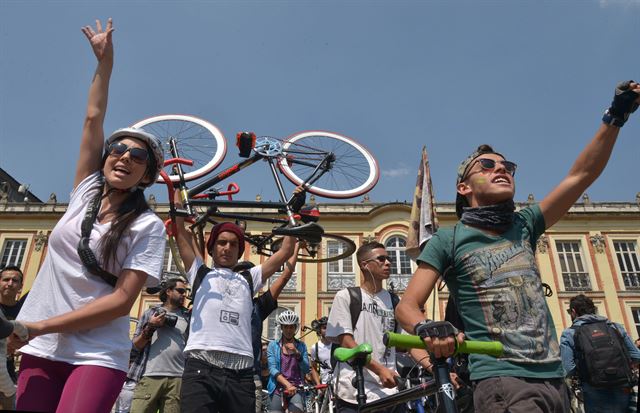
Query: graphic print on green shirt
{"type": "Point", "coordinates": [496, 284]}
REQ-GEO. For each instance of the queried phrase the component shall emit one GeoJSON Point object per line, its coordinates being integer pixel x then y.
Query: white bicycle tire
{"type": "Point", "coordinates": [343, 164]}
{"type": "Point", "coordinates": [206, 138]}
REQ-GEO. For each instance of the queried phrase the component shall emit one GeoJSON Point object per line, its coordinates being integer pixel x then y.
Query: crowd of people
{"type": "Point", "coordinates": [78, 356]}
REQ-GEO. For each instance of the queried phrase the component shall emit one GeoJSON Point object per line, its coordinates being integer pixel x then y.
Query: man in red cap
{"type": "Point", "coordinates": [218, 373]}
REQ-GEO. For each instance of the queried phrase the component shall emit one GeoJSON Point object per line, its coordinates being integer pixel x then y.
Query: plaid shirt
{"type": "Point", "coordinates": [140, 357]}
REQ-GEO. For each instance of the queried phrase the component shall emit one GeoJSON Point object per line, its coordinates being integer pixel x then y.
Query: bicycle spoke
{"type": "Point", "coordinates": [196, 140]}
{"type": "Point", "coordinates": [352, 172]}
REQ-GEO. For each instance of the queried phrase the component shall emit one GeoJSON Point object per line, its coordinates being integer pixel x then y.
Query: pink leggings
{"type": "Point", "coordinates": [48, 386]}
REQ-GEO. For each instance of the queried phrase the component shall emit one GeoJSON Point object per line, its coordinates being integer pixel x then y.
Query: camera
{"type": "Point", "coordinates": [315, 326]}
{"type": "Point", "coordinates": [170, 320]}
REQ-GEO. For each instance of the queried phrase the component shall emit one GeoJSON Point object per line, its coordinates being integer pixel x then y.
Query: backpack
{"type": "Point", "coordinates": [202, 272]}
{"type": "Point", "coordinates": [355, 308]}
{"type": "Point", "coordinates": [602, 359]}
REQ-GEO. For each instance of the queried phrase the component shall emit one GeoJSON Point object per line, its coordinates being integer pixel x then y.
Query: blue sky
{"type": "Point", "coordinates": [529, 77]}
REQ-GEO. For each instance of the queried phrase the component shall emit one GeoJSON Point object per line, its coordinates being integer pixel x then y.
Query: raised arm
{"type": "Point", "coordinates": [274, 262]}
{"type": "Point", "coordinates": [184, 238]}
{"type": "Point", "coordinates": [593, 159]}
{"type": "Point", "coordinates": [92, 142]}
{"type": "Point", "coordinates": [289, 267]}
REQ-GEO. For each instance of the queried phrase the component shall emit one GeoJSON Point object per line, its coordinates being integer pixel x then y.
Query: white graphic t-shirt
{"type": "Point", "coordinates": [221, 314]}
{"type": "Point", "coordinates": [376, 318]}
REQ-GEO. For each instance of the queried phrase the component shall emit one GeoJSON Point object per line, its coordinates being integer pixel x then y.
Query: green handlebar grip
{"type": "Point", "coordinates": [491, 348]}
{"type": "Point", "coordinates": [346, 354]}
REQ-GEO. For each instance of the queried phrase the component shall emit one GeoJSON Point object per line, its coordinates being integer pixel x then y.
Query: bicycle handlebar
{"type": "Point", "coordinates": [363, 351]}
{"type": "Point", "coordinates": [308, 387]}
{"type": "Point", "coordinates": [181, 161]}
{"type": "Point", "coordinates": [491, 348]}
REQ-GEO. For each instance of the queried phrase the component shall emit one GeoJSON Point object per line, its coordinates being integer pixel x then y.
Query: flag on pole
{"type": "Point", "coordinates": [423, 222]}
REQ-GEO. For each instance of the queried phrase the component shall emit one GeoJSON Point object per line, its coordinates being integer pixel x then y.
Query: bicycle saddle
{"type": "Point", "coordinates": [362, 352]}
{"type": "Point", "coordinates": [310, 232]}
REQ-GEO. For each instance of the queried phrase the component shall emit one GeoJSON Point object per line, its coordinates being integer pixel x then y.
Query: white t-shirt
{"type": "Point", "coordinates": [63, 284]}
{"type": "Point", "coordinates": [321, 352]}
{"type": "Point", "coordinates": [375, 319]}
{"type": "Point", "coordinates": [221, 313]}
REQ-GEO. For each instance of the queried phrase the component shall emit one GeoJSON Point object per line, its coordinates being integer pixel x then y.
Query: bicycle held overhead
{"type": "Point", "coordinates": [323, 163]}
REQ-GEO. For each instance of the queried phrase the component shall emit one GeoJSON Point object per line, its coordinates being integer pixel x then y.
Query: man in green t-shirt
{"type": "Point", "coordinates": [488, 263]}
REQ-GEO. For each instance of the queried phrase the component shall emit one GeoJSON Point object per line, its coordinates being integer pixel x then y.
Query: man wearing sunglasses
{"type": "Point", "coordinates": [160, 340]}
{"type": "Point", "coordinates": [350, 325]}
{"type": "Point", "coordinates": [488, 263]}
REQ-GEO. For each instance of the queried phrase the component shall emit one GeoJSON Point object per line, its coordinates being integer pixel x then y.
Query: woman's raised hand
{"type": "Point", "coordinates": [100, 40]}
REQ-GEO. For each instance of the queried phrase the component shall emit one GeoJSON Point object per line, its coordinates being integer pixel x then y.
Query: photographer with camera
{"type": "Point", "coordinates": [160, 339]}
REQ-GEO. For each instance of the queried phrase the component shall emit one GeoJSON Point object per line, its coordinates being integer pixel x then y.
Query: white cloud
{"type": "Point", "coordinates": [396, 172]}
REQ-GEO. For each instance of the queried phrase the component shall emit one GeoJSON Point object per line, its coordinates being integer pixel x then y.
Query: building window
{"type": "Point", "coordinates": [400, 263]}
{"type": "Point", "coordinates": [627, 255]}
{"type": "Point", "coordinates": [340, 273]}
{"type": "Point", "coordinates": [13, 252]}
{"type": "Point", "coordinates": [574, 273]}
{"type": "Point", "coordinates": [169, 268]}
{"type": "Point", "coordinates": [273, 331]}
{"type": "Point", "coordinates": [636, 318]}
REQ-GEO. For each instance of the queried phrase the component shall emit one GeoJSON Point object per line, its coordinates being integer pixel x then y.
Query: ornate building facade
{"type": "Point", "coordinates": [593, 250]}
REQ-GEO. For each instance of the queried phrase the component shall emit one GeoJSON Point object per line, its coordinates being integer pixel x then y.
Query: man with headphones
{"type": "Point", "coordinates": [375, 317]}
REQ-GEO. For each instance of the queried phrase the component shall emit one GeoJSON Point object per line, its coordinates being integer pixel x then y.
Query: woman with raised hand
{"type": "Point", "coordinates": [104, 249]}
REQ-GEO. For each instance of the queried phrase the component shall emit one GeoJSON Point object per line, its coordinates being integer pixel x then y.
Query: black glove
{"type": "Point", "coordinates": [622, 106]}
{"type": "Point", "coordinates": [439, 329]}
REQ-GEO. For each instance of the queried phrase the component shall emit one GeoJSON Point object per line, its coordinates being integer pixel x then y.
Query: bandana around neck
{"type": "Point", "coordinates": [498, 217]}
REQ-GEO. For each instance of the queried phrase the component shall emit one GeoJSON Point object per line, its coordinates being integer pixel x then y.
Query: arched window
{"type": "Point", "coordinates": [400, 264]}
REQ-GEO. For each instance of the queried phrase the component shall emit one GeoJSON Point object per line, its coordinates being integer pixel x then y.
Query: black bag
{"type": "Point", "coordinates": [601, 357]}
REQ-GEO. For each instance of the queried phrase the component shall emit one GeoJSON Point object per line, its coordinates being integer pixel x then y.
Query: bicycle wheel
{"type": "Point", "coordinates": [197, 140]}
{"type": "Point", "coordinates": [332, 248]}
{"type": "Point", "coordinates": [353, 172]}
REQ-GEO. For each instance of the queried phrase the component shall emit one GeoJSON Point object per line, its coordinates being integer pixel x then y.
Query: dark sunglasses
{"type": "Point", "coordinates": [181, 290]}
{"type": "Point", "coordinates": [490, 164]}
{"type": "Point", "coordinates": [381, 259]}
{"type": "Point", "coordinates": [138, 155]}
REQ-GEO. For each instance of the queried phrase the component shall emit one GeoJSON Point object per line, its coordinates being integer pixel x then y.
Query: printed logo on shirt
{"type": "Point", "coordinates": [229, 317]}
{"type": "Point", "coordinates": [387, 317]}
{"type": "Point", "coordinates": [506, 281]}
{"type": "Point", "coordinates": [372, 307]}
